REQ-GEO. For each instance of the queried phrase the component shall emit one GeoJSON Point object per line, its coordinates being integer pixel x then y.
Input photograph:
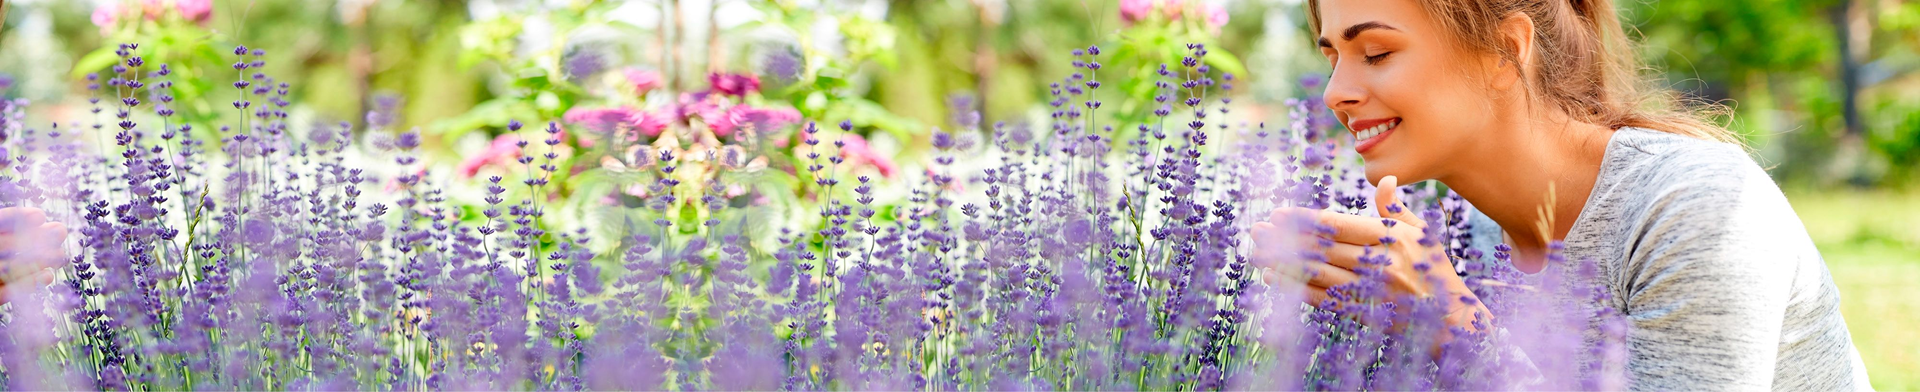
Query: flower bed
{"type": "Point", "coordinates": [1084, 256]}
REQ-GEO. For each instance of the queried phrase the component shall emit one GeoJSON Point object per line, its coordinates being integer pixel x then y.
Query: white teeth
{"type": "Point", "coordinates": [1370, 133]}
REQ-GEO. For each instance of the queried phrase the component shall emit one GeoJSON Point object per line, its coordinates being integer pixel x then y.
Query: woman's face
{"type": "Point", "coordinates": [1402, 89]}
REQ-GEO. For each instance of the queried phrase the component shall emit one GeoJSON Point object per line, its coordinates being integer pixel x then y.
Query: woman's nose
{"type": "Point", "coordinates": [1342, 93]}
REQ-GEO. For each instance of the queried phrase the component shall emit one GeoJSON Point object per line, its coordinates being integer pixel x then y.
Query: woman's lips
{"type": "Point", "coordinates": [1376, 131]}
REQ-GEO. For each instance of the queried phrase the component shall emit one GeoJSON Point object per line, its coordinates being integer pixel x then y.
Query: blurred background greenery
{"type": "Point", "coordinates": [1826, 91]}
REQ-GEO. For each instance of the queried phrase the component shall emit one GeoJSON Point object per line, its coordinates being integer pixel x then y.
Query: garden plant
{"type": "Point", "coordinates": [1079, 252]}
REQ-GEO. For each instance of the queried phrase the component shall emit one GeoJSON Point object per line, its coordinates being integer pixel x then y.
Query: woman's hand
{"type": "Point", "coordinates": [29, 247]}
{"type": "Point", "coordinates": [1410, 268]}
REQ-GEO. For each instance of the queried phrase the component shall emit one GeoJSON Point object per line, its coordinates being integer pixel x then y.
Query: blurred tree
{"type": "Point", "coordinates": [1804, 68]}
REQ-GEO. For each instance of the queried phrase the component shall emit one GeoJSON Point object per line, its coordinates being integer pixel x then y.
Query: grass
{"type": "Point", "coordinates": [1871, 242]}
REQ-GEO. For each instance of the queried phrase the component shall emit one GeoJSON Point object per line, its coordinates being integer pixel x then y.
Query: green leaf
{"type": "Point", "coordinates": [494, 113]}
{"type": "Point", "coordinates": [1226, 62]}
{"type": "Point", "coordinates": [869, 113]}
{"type": "Point", "coordinates": [689, 221]}
{"type": "Point", "coordinates": [98, 60]}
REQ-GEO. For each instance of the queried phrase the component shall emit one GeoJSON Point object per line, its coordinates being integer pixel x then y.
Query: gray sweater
{"type": "Point", "coordinates": [1722, 286]}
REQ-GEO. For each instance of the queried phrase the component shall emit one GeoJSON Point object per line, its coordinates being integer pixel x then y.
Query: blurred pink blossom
{"type": "Point", "coordinates": [734, 84]}
{"type": "Point", "coordinates": [763, 120]}
{"type": "Point", "coordinates": [651, 123]}
{"type": "Point", "coordinates": [705, 106]}
{"type": "Point", "coordinates": [726, 122]}
{"type": "Point", "coordinates": [600, 120]}
{"type": "Point", "coordinates": [1172, 8]}
{"type": "Point", "coordinates": [1216, 15]}
{"type": "Point", "coordinates": [197, 11]}
{"type": "Point", "coordinates": [105, 15]}
{"type": "Point", "coordinates": [503, 151]}
{"type": "Point", "coordinates": [770, 119]}
{"type": "Point", "coordinates": [1135, 10]}
{"type": "Point", "coordinates": [857, 152]}
{"type": "Point", "coordinates": [638, 122]}
{"type": "Point", "coordinates": [642, 80]}
{"type": "Point", "coordinates": [153, 9]}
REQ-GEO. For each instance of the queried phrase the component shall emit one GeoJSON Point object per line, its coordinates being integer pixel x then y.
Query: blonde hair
{"type": "Point", "coordinates": [1584, 63]}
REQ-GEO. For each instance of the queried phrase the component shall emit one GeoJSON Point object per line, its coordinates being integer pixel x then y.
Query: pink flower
{"type": "Point", "coordinates": [650, 123]}
{"type": "Point", "coordinates": [702, 105]}
{"type": "Point", "coordinates": [606, 120]}
{"type": "Point", "coordinates": [600, 120]}
{"type": "Point", "coordinates": [104, 16]}
{"type": "Point", "coordinates": [726, 122]}
{"type": "Point", "coordinates": [767, 120]}
{"type": "Point", "coordinates": [1135, 10]}
{"type": "Point", "coordinates": [763, 120]}
{"type": "Point", "coordinates": [857, 153]}
{"type": "Point", "coordinates": [734, 84]}
{"type": "Point", "coordinates": [1172, 8]}
{"type": "Point", "coordinates": [153, 9]}
{"type": "Point", "coordinates": [1216, 15]}
{"type": "Point", "coordinates": [503, 151]}
{"type": "Point", "coordinates": [197, 11]}
{"type": "Point", "coordinates": [642, 80]}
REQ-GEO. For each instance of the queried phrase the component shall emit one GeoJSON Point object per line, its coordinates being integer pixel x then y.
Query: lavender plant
{"type": "Point", "coordinates": [1091, 255]}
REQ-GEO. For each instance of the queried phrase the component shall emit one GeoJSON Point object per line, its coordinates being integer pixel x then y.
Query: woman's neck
{"type": "Point", "coordinates": [1533, 178]}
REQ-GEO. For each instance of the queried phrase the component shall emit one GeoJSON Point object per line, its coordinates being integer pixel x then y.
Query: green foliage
{"type": "Point", "coordinates": [1778, 63]}
{"type": "Point", "coordinates": [188, 50]}
{"type": "Point", "coordinates": [826, 87]}
{"type": "Point", "coordinates": [538, 87]}
{"type": "Point", "coordinates": [1900, 143]}
{"type": "Point", "coordinates": [1727, 43]}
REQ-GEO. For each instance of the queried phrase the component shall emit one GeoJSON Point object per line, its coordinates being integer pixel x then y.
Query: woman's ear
{"type": "Point", "coordinates": [1516, 39]}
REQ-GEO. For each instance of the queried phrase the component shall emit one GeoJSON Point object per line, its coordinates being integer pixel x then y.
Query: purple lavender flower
{"type": "Point", "coordinates": [782, 64]}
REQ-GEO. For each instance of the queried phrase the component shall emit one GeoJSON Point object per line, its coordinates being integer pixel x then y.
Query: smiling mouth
{"type": "Point", "coordinates": [1367, 135]}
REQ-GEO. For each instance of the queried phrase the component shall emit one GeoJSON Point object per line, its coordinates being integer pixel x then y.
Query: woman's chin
{"type": "Point", "coordinates": [1377, 169]}
{"type": "Point", "coordinates": [1381, 168]}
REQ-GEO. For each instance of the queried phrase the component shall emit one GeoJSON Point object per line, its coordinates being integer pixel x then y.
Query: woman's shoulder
{"type": "Point", "coordinates": [1643, 163]}
{"type": "Point", "coordinates": [1659, 152]}
{"type": "Point", "coordinates": [1670, 192]}
{"type": "Point", "coordinates": [1660, 188]}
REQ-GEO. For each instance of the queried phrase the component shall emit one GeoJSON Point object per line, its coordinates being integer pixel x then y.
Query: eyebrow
{"type": "Point", "coordinates": [1354, 31]}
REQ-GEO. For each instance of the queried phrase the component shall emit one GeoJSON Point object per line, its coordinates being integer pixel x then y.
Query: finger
{"type": "Point", "coordinates": [1276, 243]}
{"type": "Point", "coordinates": [49, 239]}
{"type": "Point", "coordinates": [1265, 244]}
{"type": "Point", "coordinates": [1284, 275]}
{"type": "Point", "coordinates": [1292, 218]}
{"type": "Point", "coordinates": [17, 218]}
{"type": "Point", "coordinates": [54, 230]}
{"type": "Point", "coordinates": [32, 216]}
{"type": "Point", "coordinates": [12, 218]}
{"type": "Point", "coordinates": [1354, 229]}
{"type": "Point", "coordinates": [38, 247]}
{"type": "Point", "coordinates": [1347, 256]}
{"type": "Point", "coordinates": [1317, 295]}
{"type": "Point", "coordinates": [1324, 275]}
{"type": "Point", "coordinates": [1386, 198]}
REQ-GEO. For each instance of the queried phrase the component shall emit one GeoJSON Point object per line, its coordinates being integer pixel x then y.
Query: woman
{"type": "Point", "coordinates": [1532, 111]}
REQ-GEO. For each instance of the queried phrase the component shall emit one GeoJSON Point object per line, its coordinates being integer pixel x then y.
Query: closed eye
{"type": "Point", "coordinates": [1375, 59]}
